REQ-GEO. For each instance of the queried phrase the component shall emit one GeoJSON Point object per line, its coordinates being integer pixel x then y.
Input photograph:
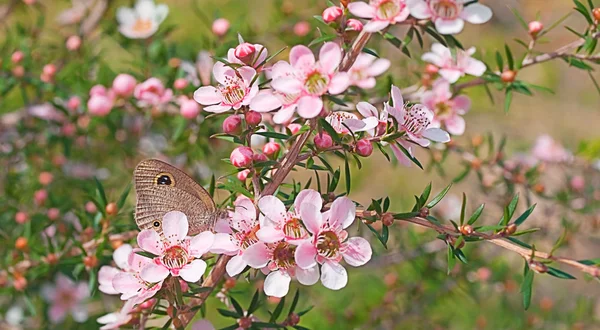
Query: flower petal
{"type": "Point", "coordinates": [154, 273]}
{"type": "Point", "coordinates": [175, 227]}
{"type": "Point", "coordinates": [223, 244]}
{"type": "Point", "coordinates": [235, 265]}
{"type": "Point", "coordinates": [277, 284]}
{"type": "Point", "coordinates": [375, 26]}
{"type": "Point", "coordinates": [305, 255]}
{"type": "Point", "coordinates": [121, 256]}
{"type": "Point", "coordinates": [366, 109]}
{"type": "Point", "coordinates": [378, 67]}
{"type": "Point", "coordinates": [462, 103]}
{"type": "Point", "coordinates": [270, 234]}
{"type": "Point", "coordinates": [301, 56]}
{"type": "Point", "coordinates": [330, 56]}
{"type": "Point", "coordinates": [333, 275]}
{"type": "Point", "coordinates": [105, 278]}
{"type": "Point", "coordinates": [397, 98]}
{"type": "Point", "coordinates": [126, 282]}
{"type": "Point", "coordinates": [287, 85]}
{"type": "Point", "coordinates": [149, 241]}
{"type": "Point", "coordinates": [193, 271]}
{"type": "Point", "coordinates": [451, 75]}
{"type": "Point", "coordinates": [308, 276]}
{"type": "Point", "coordinates": [436, 134]}
{"type": "Point", "coordinates": [361, 9]}
{"type": "Point", "coordinates": [419, 9]}
{"type": "Point", "coordinates": [284, 115]}
{"type": "Point", "coordinates": [311, 217]}
{"type": "Point", "coordinates": [201, 243]}
{"type": "Point", "coordinates": [449, 26]}
{"type": "Point", "coordinates": [308, 196]}
{"type": "Point", "coordinates": [310, 106]}
{"type": "Point", "coordinates": [265, 101]}
{"type": "Point", "coordinates": [257, 255]}
{"type": "Point", "coordinates": [272, 208]}
{"type": "Point", "coordinates": [455, 125]}
{"type": "Point", "coordinates": [343, 213]}
{"type": "Point", "coordinates": [339, 83]}
{"type": "Point", "coordinates": [217, 108]}
{"type": "Point", "coordinates": [207, 95]}
{"type": "Point", "coordinates": [358, 251]}
{"type": "Point", "coordinates": [476, 13]}
{"type": "Point", "coordinates": [475, 67]}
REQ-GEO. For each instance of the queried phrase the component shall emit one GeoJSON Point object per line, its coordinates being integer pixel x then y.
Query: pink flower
{"type": "Point", "coordinates": [548, 150]}
{"type": "Point", "coordinates": [73, 103]}
{"type": "Point", "coordinates": [380, 12]}
{"type": "Point", "coordinates": [301, 83]}
{"type": "Point", "coordinates": [243, 175]}
{"type": "Point", "coordinates": [176, 254]}
{"type": "Point", "coordinates": [329, 243]}
{"type": "Point", "coordinates": [66, 297]}
{"type": "Point", "coordinates": [234, 89]}
{"type": "Point", "coordinates": [448, 110]}
{"type": "Point", "coordinates": [449, 15]}
{"type": "Point", "coordinates": [108, 273]}
{"type": "Point", "coordinates": [143, 20]}
{"type": "Point", "coordinates": [342, 122]}
{"type": "Point", "coordinates": [152, 92]}
{"type": "Point", "coordinates": [220, 27]}
{"type": "Point", "coordinates": [248, 54]}
{"type": "Point", "coordinates": [365, 69]}
{"type": "Point", "coordinates": [367, 110]}
{"type": "Point", "coordinates": [253, 118]}
{"type": "Point", "coordinates": [454, 67]}
{"type": "Point", "coordinates": [271, 148]}
{"type": "Point", "coordinates": [118, 319]}
{"type": "Point", "coordinates": [129, 282]}
{"type": "Point", "coordinates": [124, 84]}
{"type": "Point", "coordinates": [180, 83]}
{"type": "Point", "coordinates": [236, 234]}
{"type": "Point", "coordinates": [241, 157]}
{"type": "Point", "coordinates": [99, 105]}
{"type": "Point", "coordinates": [332, 13]}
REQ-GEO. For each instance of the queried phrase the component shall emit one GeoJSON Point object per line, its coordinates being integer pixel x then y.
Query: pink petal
{"type": "Point", "coordinates": [308, 276]}
{"type": "Point", "coordinates": [330, 56]}
{"type": "Point", "coordinates": [154, 273]}
{"type": "Point", "coordinates": [308, 196]}
{"type": "Point", "coordinates": [441, 88]}
{"type": "Point", "coordinates": [244, 209]}
{"type": "Point", "coordinates": [333, 275]}
{"type": "Point", "coordinates": [475, 67]}
{"type": "Point", "coordinates": [310, 106]}
{"type": "Point", "coordinates": [270, 234]}
{"type": "Point", "coordinates": [149, 240]}
{"type": "Point", "coordinates": [281, 69]}
{"type": "Point", "coordinates": [287, 85]}
{"type": "Point", "coordinates": [455, 125]}
{"type": "Point", "coordinates": [126, 282]}
{"type": "Point", "coordinates": [311, 217]}
{"type": "Point", "coordinates": [451, 75]}
{"type": "Point", "coordinates": [397, 98]}
{"type": "Point", "coordinates": [433, 58]}
{"type": "Point", "coordinates": [375, 26]}
{"type": "Point", "coordinates": [436, 134]}
{"type": "Point", "coordinates": [366, 109]}
{"type": "Point", "coordinates": [476, 13]}
{"type": "Point", "coordinates": [57, 313]}
{"type": "Point", "coordinates": [449, 26]}
{"type": "Point", "coordinates": [277, 284]}
{"type": "Point", "coordinates": [193, 271]}
{"type": "Point", "coordinates": [442, 51]}
{"type": "Point", "coordinates": [419, 9]}
{"type": "Point", "coordinates": [136, 262]}
{"type": "Point", "coordinates": [272, 208]}
{"type": "Point", "coordinates": [396, 111]}
{"type": "Point", "coordinates": [221, 72]}
{"type": "Point", "coordinates": [285, 114]}
{"type": "Point", "coordinates": [175, 227]}
{"type": "Point", "coordinates": [201, 243]}
{"type": "Point", "coordinates": [235, 265]}
{"type": "Point", "coordinates": [121, 256]}
{"type": "Point", "coordinates": [223, 244]}
{"type": "Point", "coordinates": [202, 325]}
{"type": "Point", "coordinates": [402, 15]}
{"type": "Point", "coordinates": [462, 103]}
{"type": "Point", "coordinates": [343, 213]}
{"type": "Point", "coordinates": [301, 55]}
{"type": "Point", "coordinates": [305, 255]}
{"type": "Point", "coordinates": [378, 67]}
{"type": "Point", "coordinates": [105, 278]}
{"type": "Point", "coordinates": [257, 255]}
{"type": "Point", "coordinates": [217, 108]}
{"type": "Point", "coordinates": [339, 83]}
{"type": "Point", "coordinates": [358, 251]}
{"type": "Point", "coordinates": [361, 9]}
{"type": "Point", "coordinates": [400, 156]}
{"type": "Point", "coordinates": [265, 101]}
{"type": "Point", "coordinates": [247, 74]}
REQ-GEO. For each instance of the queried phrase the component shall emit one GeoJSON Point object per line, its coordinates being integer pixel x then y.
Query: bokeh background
{"type": "Point", "coordinates": [406, 286]}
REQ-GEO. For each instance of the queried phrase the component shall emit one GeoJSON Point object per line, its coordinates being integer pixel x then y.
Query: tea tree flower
{"type": "Point", "coordinates": [381, 13]}
{"type": "Point", "coordinates": [452, 68]}
{"type": "Point", "coordinates": [365, 69]}
{"type": "Point", "coordinates": [143, 20]}
{"type": "Point", "coordinates": [66, 297]}
{"type": "Point", "coordinates": [346, 122]}
{"type": "Point", "coordinates": [449, 15]}
{"type": "Point", "coordinates": [368, 110]}
{"type": "Point", "coordinates": [448, 110]}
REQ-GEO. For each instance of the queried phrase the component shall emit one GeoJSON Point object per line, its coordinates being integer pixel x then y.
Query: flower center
{"type": "Point", "coordinates": [283, 255]}
{"type": "Point", "coordinates": [316, 83]}
{"type": "Point", "coordinates": [442, 108]}
{"type": "Point", "coordinates": [416, 119]}
{"type": "Point", "coordinates": [248, 238]}
{"type": "Point", "coordinates": [446, 9]}
{"type": "Point", "coordinates": [175, 257]}
{"type": "Point", "coordinates": [142, 25]}
{"type": "Point", "coordinates": [328, 244]}
{"type": "Point", "coordinates": [293, 229]}
{"type": "Point", "coordinates": [388, 9]}
{"type": "Point", "coordinates": [336, 120]}
{"type": "Point", "coordinates": [233, 91]}
{"type": "Point", "coordinates": [66, 298]}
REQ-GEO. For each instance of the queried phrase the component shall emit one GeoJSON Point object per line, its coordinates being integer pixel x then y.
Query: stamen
{"type": "Point", "coordinates": [175, 257]}
{"type": "Point", "coordinates": [446, 9]}
{"type": "Point", "coordinates": [293, 229]}
{"type": "Point", "coordinates": [316, 83]}
{"type": "Point", "coordinates": [142, 25]}
{"type": "Point", "coordinates": [233, 91]}
{"type": "Point", "coordinates": [388, 9]}
{"type": "Point", "coordinates": [283, 255]}
{"type": "Point", "coordinates": [328, 244]}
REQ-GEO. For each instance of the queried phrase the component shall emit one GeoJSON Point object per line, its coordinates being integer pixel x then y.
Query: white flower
{"type": "Point", "coordinates": [143, 20]}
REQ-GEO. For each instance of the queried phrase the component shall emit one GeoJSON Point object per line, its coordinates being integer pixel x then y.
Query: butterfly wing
{"type": "Point", "coordinates": [162, 188]}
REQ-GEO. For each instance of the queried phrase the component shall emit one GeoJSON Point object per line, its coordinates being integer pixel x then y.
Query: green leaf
{"type": "Point", "coordinates": [370, 52]}
{"type": "Point", "coordinates": [438, 198]}
{"type": "Point", "coordinates": [409, 156]}
{"type": "Point", "coordinates": [330, 130]}
{"type": "Point", "coordinates": [507, 100]}
{"type": "Point", "coordinates": [509, 57]}
{"type": "Point", "coordinates": [392, 39]}
{"type": "Point", "coordinates": [236, 305]}
{"type": "Point", "coordinates": [178, 293]}
{"type": "Point", "coordinates": [594, 82]}
{"type": "Point", "coordinates": [228, 313]}
{"type": "Point", "coordinates": [476, 214]}
{"type": "Point", "coordinates": [101, 193]}
{"type": "Point", "coordinates": [277, 312]}
{"type": "Point", "coordinates": [451, 260]}
{"type": "Point", "coordinates": [525, 232]}
{"type": "Point", "coordinates": [520, 19]}
{"type": "Point", "coordinates": [294, 302]}
{"type": "Point", "coordinates": [463, 209]}
{"type": "Point", "coordinates": [583, 11]}
{"type": "Point", "coordinates": [255, 303]}
{"type": "Point", "coordinates": [499, 61]}
{"type": "Point", "coordinates": [327, 37]}
{"type": "Point", "coordinates": [462, 174]}
{"type": "Point", "coordinates": [554, 25]}
{"type": "Point", "coordinates": [527, 286]}
{"type": "Point", "coordinates": [379, 237]}
{"type": "Point", "coordinates": [348, 176]}
{"type": "Point", "coordinates": [123, 196]}
{"type": "Point", "coordinates": [400, 216]}
{"type": "Point", "coordinates": [525, 215]}
{"type": "Point", "coordinates": [560, 274]}
{"type": "Point", "coordinates": [146, 254]}
{"type": "Point", "coordinates": [425, 195]}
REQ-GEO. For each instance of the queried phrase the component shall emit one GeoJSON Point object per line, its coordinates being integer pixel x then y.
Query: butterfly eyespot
{"type": "Point", "coordinates": [165, 179]}
{"type": "Point", "coordinates": [156, 224]}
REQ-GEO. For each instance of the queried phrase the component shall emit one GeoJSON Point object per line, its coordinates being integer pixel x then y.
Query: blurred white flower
{"type": "Point", "coordinates": [143, 20]}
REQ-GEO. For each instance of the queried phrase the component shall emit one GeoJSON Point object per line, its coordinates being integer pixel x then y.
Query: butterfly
{"type": "Point", "coordinates": [162, 188]}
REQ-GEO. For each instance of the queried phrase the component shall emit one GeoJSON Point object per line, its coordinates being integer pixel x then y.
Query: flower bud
{"type": "Point", "coordinates": [508, 76]}
{"type": "Point", "coordinates": [68, 129]}
{"type": "Point", "coordinates": [259, 158]}
{"type": "Point", "coordinates": [539, 188]}
{"type": "Point", "coordinates": [241, 157]}
{"type": "Point", "coordinates": [245, 322]}
{"type": "Point", "coordinates": [577, 183]}
{"type": "Point", "coordinates": [294, 128]}
{"type": "Point", "coordinates": [21, 243]}
{"type": "Point", "coordinates": [124, 84]}
{"type": "Point", "coordinates": [245, 52]}
{"type": "Point", "coordinates": [49, 69]}
{"type": "Point", "coordinates": [189, 109]}
{"type": "Point", "coordinates": [253, 118]}
{"type": "Point", "coordinates": [18, 71]}
{"type": "Point", "coordinates": [431, 69]}
{"type": "Point", "coordinates": [53, 213]}
{"type": "Point", "coordinates": [477, 140]}
{"type": "Point", "coordinates": [73, 43]}
{"type": "Point", "coordinates": [73, 103]}
{"type": "Point", "coordinates": [424, 212]}
{"type": "Point", "coordinates": [364, 148]}
{"type": "Point", "coordinates": [112, 208]}
{"type": "Point", "coordinates": [174, 62]}
{"type": "Point", "coordinates": [301, 28]}
{"type": "Point", "coordinates": [19, 282]}
{"type": "Point", "coordinates": [220, 27]}
{"type": "Point", "coordinates": [90, 261]}
{"type": "Point", "coordinates": [538, 267]}
{"type": "Point", "coordinates": [535, 27]}
{"type": "Point", "coordinates": [148, 304]}
{"type": "Point", "coordinates": [17, 57]}
{"type": "Point", "coordinates": [243, 175]}
{"type": "Point", "coordinates": [180, 83]}
{"type": "Point", "coordinates": [354, 25]}
{"type": "Point", "coordinates": [229, 283]}
{"type": "Point", "coordinates": [45, 178]}
{"type": "Point", "coordinates": [332, 13]}
{"type": "Point", "coordinates": [387, 219]}
{"type": "Point", "coordinates": [466, 230]}
{"type": "Point", "coordinates": [52, 258]}
{"type": "Point", "coordinates": [90, 207]}
{"type": "Point", "coordinates": [40, 196]}
{"type": "Point", "coordinates": [271, 149]}
{"type": "Point", "coordinates": [99, 105]}
{"type": "Point", "coordinates": [596, 13]}
{"type": "Point", "coordinates": [21, 217]}
{"type": "Point", "coordinates": [511, 229]}
{"type": "Point", "coordinates": [232, 125]}
{"type": "Point", "coordinates": [323, 141]}
{"type": "Point", "coordinates": [292, 320]}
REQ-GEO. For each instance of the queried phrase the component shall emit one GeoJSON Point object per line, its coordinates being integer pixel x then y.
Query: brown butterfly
{"type": "Point", "coordinates": [162, 188]}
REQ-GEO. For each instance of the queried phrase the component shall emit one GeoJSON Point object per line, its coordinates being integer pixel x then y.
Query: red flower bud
{"type": "Point", "coordinates": [332, 13]}
{"type": "Point", "coordinates": [17, 57]}
{"type": "Point", "coordinates": [535, 27]}
{"type": "Point", "coordinates": [271, 149]}
{"type": "Point", "coordinates": [323, 141]}
{"type": "Point", "coordinates": [21, 217]}
{"type": "Point", "coordinates": [232, 125]}
{"type": "Point", "coordinates": [180, 83]}
{"type": "Point", "coordinates": [354, 25]}
{"type": "Point", "coordinates": [245, 52]}
{"type": "Point", "coordinates": [253, 118]}
{"type": "Point", "coordinates": [364, 148]}
{"type": "Point", "coordinates": [241, 157]}
{"type": "Point", "coordinates": [243, 175]}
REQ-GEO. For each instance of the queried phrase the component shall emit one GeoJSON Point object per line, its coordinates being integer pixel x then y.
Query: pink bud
{"type": "Point", "coordinates": [45, 178]}
{"type": "Point", "coordinates": [180, 83]}
{"type": "Point", "coordinates": [99, 105]}
{"type": "Point", "coordinates": [243, 175]}
{"type": "Point", "coordinates": [17, 57]}
{"type": "Point", "coordinates": [29, 2]}
{"type": "Point", "coordinates": [332, 13]}
{"type": "Point", "coordinates": [245, 52]}
{"type": "Point", "coordinates": [184, 285]}
{"type": "Point", "coordinates": [90, 207]}
{"type": "Point", "coordinates": [294, 128]}
{"type": "Point", "coordinates": [381, 128]}
{"type": "Point", "coordinates": [40, 196]}
{"type": "Point", "coordinates": [49, 69]}
{"type": "Point", "coordinates": [271, 149]}
{"type": "Point", "coordinates": [98, 90]}
{"type": "Point", "coordinates": [53, 213]}
{"type": "Point", "coordinates": [364, 148]}
{"type": "Point", "coordinates": [260, 158]}
{"type": "Point", "coordinates": [253, 118]}
{"type": "Point", "coordinates": [354, 24]}
{"type": "Point", "coordinates": [232, 125]}
{"type": "Point", "coordinates": [323, 141]}
{"type": "Point", "coordinates": [535, 27]}
{"type": "Point", "coordinates": [150, 303]}
{"type": "Point", "coordinates": [220, 27]}
{"type": "Point", "coordinates": [21, 217]}
{"type": "Point", "coordinates": [124, 84]}
{"type": "Point", "coordinates": [68, 129]}
{"type": "Point", "coordinates": [241, 156]}
{"type": "Point", "coordinates": [431, 69]}
{"type": "Point", "coordinates": [189, 109]}
{"type": "Point", "coordinates": [301, 28]}
{"type": "Point", "coordinates": [577, 183]}
{"type": "Point", "coordinates": [73, 43]}
{"type": "Point", "coordinates": [73, 103]}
